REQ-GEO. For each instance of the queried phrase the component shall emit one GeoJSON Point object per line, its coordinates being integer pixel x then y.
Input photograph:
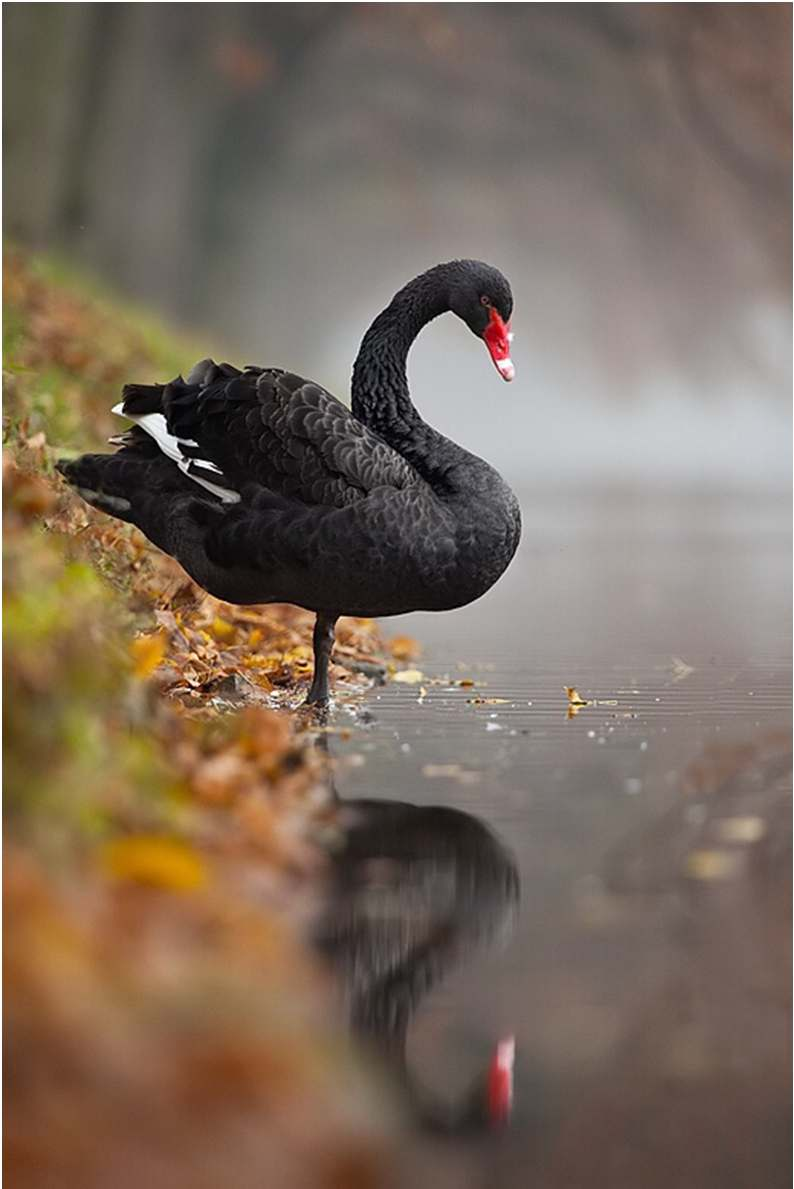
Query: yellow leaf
{"type": "Point", "coordinates": [301, 653]}
{"type": "Point", "coordinates": [155, 861]}
{"type": "Point", "coordinates": [147, 652]}
{"type": "Point", "coordinates": [223, 631]}
{"type": "Point", "coordinates": [261, 662]}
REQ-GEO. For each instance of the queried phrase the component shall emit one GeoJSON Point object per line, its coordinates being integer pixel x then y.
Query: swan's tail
{"type": "Point", "coordinates": [137, 399]}
{"type": "Point", "coordinates": [155, 408]}
{"type": "Point", "coordinates": [105, 481]}
{"type": "Point", "coordinates": [138, 484]}
{"type": "Point", "coordinates": [157, 480]}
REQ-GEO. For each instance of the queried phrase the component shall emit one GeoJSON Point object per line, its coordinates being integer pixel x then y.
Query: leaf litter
{"type": "Point", "coordinates": [161, 857]}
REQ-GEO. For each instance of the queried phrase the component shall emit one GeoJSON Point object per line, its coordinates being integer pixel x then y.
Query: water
{"type": "Point", "coordinates": [646, 977]}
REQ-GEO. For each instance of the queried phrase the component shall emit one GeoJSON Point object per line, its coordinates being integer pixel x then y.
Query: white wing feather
{"type": "Point", "coordinates": [155, 425]}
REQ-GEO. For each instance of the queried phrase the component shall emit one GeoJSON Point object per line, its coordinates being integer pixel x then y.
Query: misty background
{"type": "Point", "coordinates": [269, 174]}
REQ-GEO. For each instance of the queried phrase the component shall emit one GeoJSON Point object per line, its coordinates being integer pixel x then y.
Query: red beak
{"type": "Point", "coordinates": [498, 337]}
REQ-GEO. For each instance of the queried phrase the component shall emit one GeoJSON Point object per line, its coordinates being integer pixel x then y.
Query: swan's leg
{"type": "Point", "coordinates": [323, 644]}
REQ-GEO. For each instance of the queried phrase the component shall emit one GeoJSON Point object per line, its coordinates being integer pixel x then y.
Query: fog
{"type": "Point", "coordinates": [270, 174]}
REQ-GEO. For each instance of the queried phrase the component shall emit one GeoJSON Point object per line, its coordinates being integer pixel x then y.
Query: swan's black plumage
{"type": "Point", "coordinates": [268, 489]}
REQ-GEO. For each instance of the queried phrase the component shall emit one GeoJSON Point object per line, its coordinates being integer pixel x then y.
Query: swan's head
{"type": "Point", "coordinates": [481, 296]}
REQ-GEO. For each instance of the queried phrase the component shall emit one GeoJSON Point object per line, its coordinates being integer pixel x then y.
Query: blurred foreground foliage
{"type": "Point", "coordinates": [162, 822]}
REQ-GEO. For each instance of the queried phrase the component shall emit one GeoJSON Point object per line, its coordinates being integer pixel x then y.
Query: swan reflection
{"type": "Point", "coordinates": [414, 891]}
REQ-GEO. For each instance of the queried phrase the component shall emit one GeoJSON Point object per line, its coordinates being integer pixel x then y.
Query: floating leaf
{"type": "Point", "coordinates": [575, 701]}
{"type": "Point", "coordinates": [409, 676]}
{"type": "Point", "coordinates": [742, 829]}
{"type": "Point", "coordinates": [713, 864]}
{"type": "Point", "coordinates": [680, 669]}
{"type": "Point", "coordinates": [451, 772]}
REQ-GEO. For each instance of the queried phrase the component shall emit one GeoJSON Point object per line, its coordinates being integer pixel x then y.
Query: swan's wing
{"type": "Point", "coordinates": [279, 430]}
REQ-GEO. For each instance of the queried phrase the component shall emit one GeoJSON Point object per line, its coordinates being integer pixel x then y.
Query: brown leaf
{"type": "Point", "coordinates": [405, 648]}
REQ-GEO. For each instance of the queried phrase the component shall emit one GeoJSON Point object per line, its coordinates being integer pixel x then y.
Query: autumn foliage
{"type": "Point", "coordinates": [167, 823]}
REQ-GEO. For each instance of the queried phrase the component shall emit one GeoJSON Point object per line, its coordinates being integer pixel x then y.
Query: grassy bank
{"type": "Point", "coordinates": [162, 817]}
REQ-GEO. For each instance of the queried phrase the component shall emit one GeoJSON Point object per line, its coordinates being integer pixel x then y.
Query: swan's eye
{"type": "Point", "coordinates": [485, 300]}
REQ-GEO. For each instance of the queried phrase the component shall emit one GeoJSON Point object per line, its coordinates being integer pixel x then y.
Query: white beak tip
{"type": "Point", "coordinates": [506, 369]}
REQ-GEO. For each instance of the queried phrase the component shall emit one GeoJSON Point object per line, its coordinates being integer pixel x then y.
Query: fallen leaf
{"type": "Point", "coordinates": [218, 778]}
{"type": "Point", "coordinates": [155, 861]}
{"type": "Point", "coordinates": [30, 494]}
{"type": "Point", "coordinates": [147, 653]}
{"type": "Point", "coordinates": [223, 631]}
{"type": "Point", "coordinates": [405, 648]}
{"type": "Point", "coordinates": [301, 653]}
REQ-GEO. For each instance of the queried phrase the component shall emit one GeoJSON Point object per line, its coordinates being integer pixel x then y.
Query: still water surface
{"type": "Point", "coordinates": [645, 973]}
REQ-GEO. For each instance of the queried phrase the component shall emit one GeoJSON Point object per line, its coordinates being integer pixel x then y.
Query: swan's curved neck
{"type": "Point", "coordinates": [380, 396]}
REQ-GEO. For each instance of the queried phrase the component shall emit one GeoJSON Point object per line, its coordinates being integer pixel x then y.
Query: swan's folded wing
{"type": "Point", "coordinates": [286, 433]}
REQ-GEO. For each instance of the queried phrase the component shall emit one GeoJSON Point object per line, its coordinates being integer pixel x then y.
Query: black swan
{"type": "Point", "coordinates": [415, 889]}
{"type": "Point", "coordinates": [267, 489]}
